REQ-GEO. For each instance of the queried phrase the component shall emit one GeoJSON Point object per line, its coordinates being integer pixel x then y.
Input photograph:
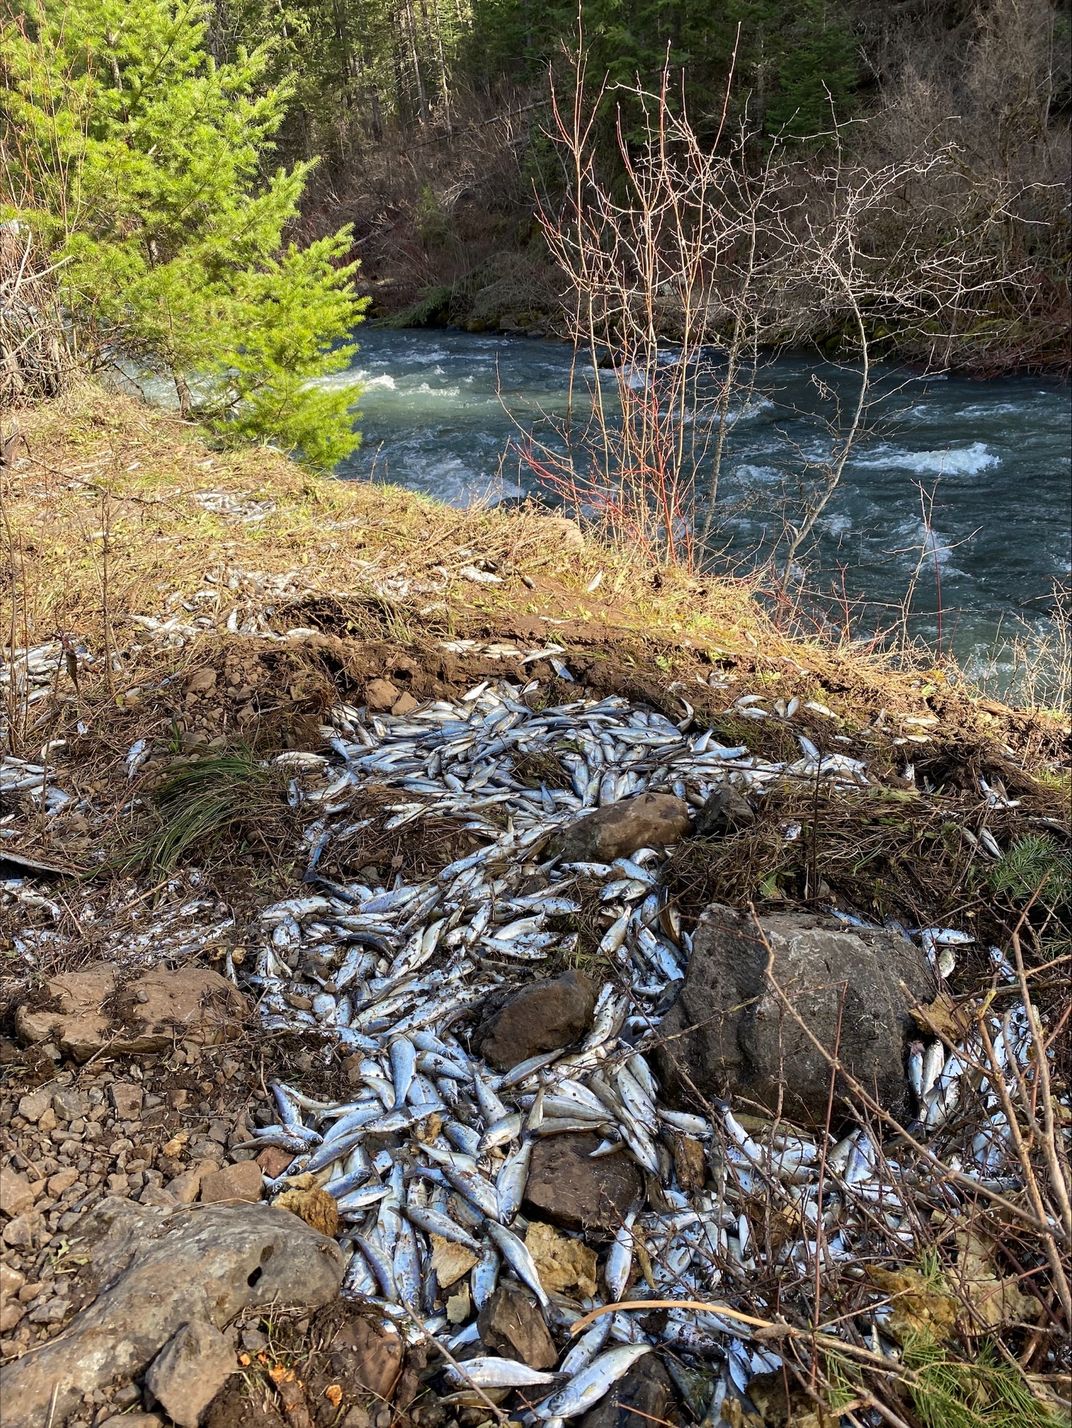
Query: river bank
{"type": "Point", "coordinates": [224, 703]}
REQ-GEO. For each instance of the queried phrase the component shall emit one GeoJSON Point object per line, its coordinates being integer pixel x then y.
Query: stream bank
{"type": "Point", "coordinates": [221, 608]}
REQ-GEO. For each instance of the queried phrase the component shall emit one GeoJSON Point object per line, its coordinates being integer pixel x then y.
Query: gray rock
{"type": "Point", "coordinates": [650, 820]}
{"type": "Point", "coordinates": [568, 1188]}
{"type": "Point", "coordinates": [731, 1032]}
{"type": "Point", "coordinates": [645, 1395]}
{"type": "Point", "coordinates": [68, 1104]}
{"type": "Point", "coordinates": [34, 1104]}
{"type": "Point", "coordinates": [160, 1269]}
{"type": "Point", "coordinates": [127, 1099]}
{"type": "Point", "coordinates": [512, 1325]}
{"type": "Point", "coordinates": [540, 1017]}
{"type": "Point", "coordinates": [189, 1371]}
{"type": "Point", "coordinates": [726, 811]}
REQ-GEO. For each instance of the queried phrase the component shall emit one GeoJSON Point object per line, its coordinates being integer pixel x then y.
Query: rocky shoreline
{"type": "Point", "coordinates": [504, 981]}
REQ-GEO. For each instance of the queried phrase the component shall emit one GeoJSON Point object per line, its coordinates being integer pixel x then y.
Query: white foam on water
{"type": "Point", "coordinates": [837, 525]}
{"type": "Point", "coordinates": [956, 461]}
{"type": "Point", "coordinates": [748, 475]}
{"type": "Point", "coordinates": [914, 538]}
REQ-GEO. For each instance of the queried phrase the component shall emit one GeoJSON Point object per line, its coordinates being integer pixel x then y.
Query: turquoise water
{"type": "Point", "coordinates": [442, 412]}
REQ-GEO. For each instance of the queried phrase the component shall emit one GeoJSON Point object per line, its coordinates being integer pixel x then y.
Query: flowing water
{"type": "Point", "coordinates": [442, 412]}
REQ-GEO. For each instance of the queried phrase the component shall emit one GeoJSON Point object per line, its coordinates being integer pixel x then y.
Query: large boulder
{"type": "Point", "coordinates": [102, 1008]}
{"type": "Point", "coordinates": [650, 820]}
{"type": "Point", "coordinates": [734, 1028]}
{"type": "Point", "coordinates": [543, 1016]}
{"type": "Point", "coordinates": [161, 1270]}
{"type": "Point", "coordinates": [571, 1189]}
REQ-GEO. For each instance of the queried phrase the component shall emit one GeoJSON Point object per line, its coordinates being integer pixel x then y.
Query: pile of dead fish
{"type": "Point", "coordinates": [435, 1146]}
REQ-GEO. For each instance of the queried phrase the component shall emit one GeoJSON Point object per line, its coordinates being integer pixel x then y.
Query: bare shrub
{"type": "Point", "coordinates": [690, 258]}
{"type": "Point", "coordinates": [35, 357]}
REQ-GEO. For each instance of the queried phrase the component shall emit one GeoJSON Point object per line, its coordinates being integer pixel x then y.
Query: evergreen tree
{"type": "Point", "coordinates": [141, 164]}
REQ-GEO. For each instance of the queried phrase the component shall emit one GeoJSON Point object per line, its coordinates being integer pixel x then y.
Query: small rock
{"type": "Point", "coordinates": [11, 1313]}
{"type": "Point", "coordinates": [650, 820]}
{"type": "Point", "coordinates": [189, 1371]}
{"type": "Point", "coordinates": [186, 1185]}
{"type": "Point", "coordinates": [273, 1160]}
{"type": "Point", "coordinates": [540, 1017]}
{"type": "Point", "coordinates": [726, 811]}
{"type": "Point", "coordinates": [459, 1305]}
{"type": "Point", "coordinates": [134, 1420]}
{"type": "Point", "coordinates": [21, 1232]}
{"type": "Point", "coordinates": [253, 1341]}
{"type": "Point", "coordinates": [374, 1354]}
{"type": "Point", "coordinates": [201, 681]}
{"type": "Point", "coordinates": [127, 1099]}
{"type": "Point", "coordinates": [16, 1193]}
{"type": "Point", "coordinates": [405, 703]}
{"type": "Point", "coordinates": [241, 1181]}
{"type": "Point", "coordinates": [380, 696]}
{"type": "Point", "coordinates": [512, 1326]}
{"type": "Point", "coordinates": [68, 1104]}
{"type": "Point", "coordinates": [450, 1261]}
{"type": "Point", "coordinates": [61, 1181]}
{"type": "Point", "coordinates": [48, 1121]}
{"type": "Point", "coordinates": [11, 1281]}
{"type": "Point", "coordinates": [34, 1104]}
{"type": "Point", "coordinates": [569, 1188]}
{"type": "Point", "coordinates": [52, 1311]}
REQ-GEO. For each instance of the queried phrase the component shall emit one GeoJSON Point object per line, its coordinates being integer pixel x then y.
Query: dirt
{"type": "Point", "coordinates": [311, 1372]}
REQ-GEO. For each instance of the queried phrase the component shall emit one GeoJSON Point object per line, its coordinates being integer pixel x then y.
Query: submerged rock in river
{"type": "Point", "coordinates": [734, 1028]}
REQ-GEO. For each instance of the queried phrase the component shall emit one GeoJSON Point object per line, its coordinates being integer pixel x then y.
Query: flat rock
{"type": "Point", "coordinates": [189, 1371]}
{"type": "Point", "coordinates": [542, 1016]}
{"type": "Point", "coordinates": [101, 1008]}
{"type": "Point", "coordinates": [731, 1032]}
{"type": "Point", "coordinates": [645, 1395]}
{"type": "Point", "coordinates": [569, 1188]}
{"type": "Point", "coordinates": [241, 1181]}
{"type": "Point", "coordinates": [160, 1269]}
{"type": "Point", "coordinates": [512, 1326]}
{"type": "Point", "coordinates": [650, 820]}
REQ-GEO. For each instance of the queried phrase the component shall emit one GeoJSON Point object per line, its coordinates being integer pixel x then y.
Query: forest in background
{"type": "Point", "coordinates": [433, 124]}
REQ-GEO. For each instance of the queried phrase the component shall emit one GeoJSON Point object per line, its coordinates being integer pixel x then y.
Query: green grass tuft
{"type": "Point", "coordinates": [210, 807]}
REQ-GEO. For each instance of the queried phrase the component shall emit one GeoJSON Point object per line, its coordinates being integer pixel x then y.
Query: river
{"type": "Point", "coordinates": [441, 412]}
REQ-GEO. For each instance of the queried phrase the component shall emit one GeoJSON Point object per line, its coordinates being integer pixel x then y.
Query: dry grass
{"type": "Point", "coordinates": [113, 510]}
